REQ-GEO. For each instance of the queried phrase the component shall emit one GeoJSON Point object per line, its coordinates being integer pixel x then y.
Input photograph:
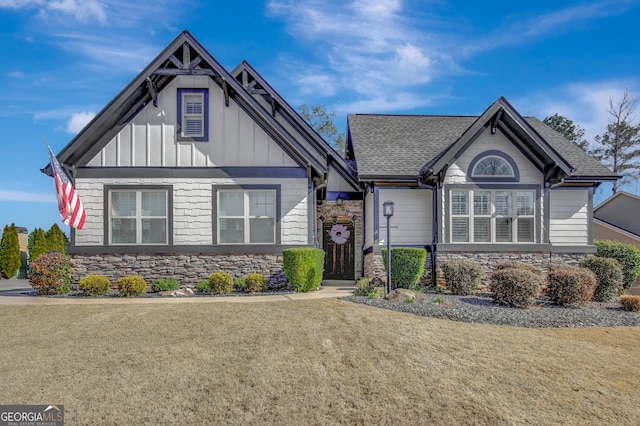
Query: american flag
{"type": "Point", "coordinates": [69, 203]}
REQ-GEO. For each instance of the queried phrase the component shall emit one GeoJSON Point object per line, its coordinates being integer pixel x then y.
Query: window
{"type": "Point", "coordinates": [138, 216]}
{"type": "Point", "coordinates": [492, 166]}
{"type": "Point", "coordinates": [193, 113]}
{"type": "Point", "coordinates": [246, 216]}
{"type": "Point", "coordinates": [492, 216]}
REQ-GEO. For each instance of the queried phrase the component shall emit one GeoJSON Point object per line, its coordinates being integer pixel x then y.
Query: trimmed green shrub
{"type": "Point", "coordinates": [303, 267]}
{"type": "Point", "coordinates": [462, 277]}
{"type": "Point", "coordinates": [9, 252]}
{"type": "Point", "coordinates": [221, 282]}
{"type": "Point", "coordinates": [167, 284]}
{"type": "Point", "coordinates": [50, 273]}
{"type": "Point", "coordinates": [515, 287]}
{"type": "Point", "coordinates": [131, 286]}
{"type": "Point", "coordinates": [94, 285]}
{"type": "Point", "coordinates": [240, 283]}
{"type": "Point", "coordinates": [407, 266]}
{"type": "Point", "coordinates": [571, 286]}
{"type": "Point", "coordinates": [630, 303]}
{"type": "Point", "coordinates": [609, 274]}
{"type": "Point", "coordinates": [255, 282]}
{"type": "Point", "coordinates": [628, 256]}
{"type": "Point", "coordinates": [203, 286]}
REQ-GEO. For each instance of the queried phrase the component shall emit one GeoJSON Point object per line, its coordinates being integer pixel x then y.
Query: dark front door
{"type": "Point", "coordinates": [338, 241]}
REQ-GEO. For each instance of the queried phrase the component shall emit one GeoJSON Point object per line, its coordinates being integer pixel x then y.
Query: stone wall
{"type": "Point", "coordinates": [374, 266]}
{"type": "Point", "coordinates": [189, 269]}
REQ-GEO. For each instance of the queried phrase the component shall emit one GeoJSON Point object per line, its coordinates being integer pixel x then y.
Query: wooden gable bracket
{"type": "Point", "coordinates": [273, 106]}
{"type": "Point", "coordinates": [152, 91]}
{"type": "Point", "coordinates": [495, 120]}
{"type": "Point", "coordinates": [225, 89]}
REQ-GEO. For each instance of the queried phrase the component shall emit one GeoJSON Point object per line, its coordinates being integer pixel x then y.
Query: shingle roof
{"type": "Point", "coordinates": [400, 145]}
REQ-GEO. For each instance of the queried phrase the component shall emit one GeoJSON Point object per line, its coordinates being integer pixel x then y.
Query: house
{"type": "Point", "coordinates": [490, 187]}
{"type": "Point", "coordinates": [192, 169]}
{"type": "Point", "coordinates": [617, 219]}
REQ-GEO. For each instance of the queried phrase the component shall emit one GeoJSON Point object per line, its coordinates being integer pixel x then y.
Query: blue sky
{"type": "Point", "coordinates": [63, 60]}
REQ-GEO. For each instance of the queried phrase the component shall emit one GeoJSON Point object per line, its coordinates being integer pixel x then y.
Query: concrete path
{"type": "Point", "coordinates": [19, 292]}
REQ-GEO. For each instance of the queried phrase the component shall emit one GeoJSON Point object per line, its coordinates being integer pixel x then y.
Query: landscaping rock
{"type": "Point", "coordinates": [183, 292]}
{"type": "Point", "coordinates": [400, 295]}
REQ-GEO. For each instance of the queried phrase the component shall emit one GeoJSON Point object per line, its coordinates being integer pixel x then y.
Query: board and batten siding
{"type": "Point", "coordinates": [411, 223]}
{"type": "Point", "coordinates": [569, 217]}
{"type": "Point", "coordinates": [150, 139]}
{"type": "Point", "coordinates": [457, 172]}
{"type": "Point", "coordinates": [192, 208]}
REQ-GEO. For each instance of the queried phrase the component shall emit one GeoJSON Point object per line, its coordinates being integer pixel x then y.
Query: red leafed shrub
{"type": "Point", "coordinates": [50, 273]}
{"type": "Point", "coordinates": [462, 277]}
{"type": "Point", "coordinates": [630, 303]}
{"type": "Point", "coordinates": [571, 286]}
{"type": "Point", "coordinates": [516, 288]}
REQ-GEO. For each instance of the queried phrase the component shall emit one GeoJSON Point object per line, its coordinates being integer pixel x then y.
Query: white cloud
{"type": "Point", "coordinates": [29, 197]}
{"type": "Point", "coordinates": [78, 121]}
{"type": "Point", "coordinates": [586, 104]}
{"type": "Point", "coordinates": [82, 10]}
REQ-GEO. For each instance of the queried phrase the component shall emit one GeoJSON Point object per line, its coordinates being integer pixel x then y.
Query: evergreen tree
{"type": "Point", "coordinates": [619, 146]}
{"type": "Point", "coordinates": [37, 244]}
{"type": "Point", "coordinates": [55, 239]}
{"type": "Point", "coordinates": [566, 128]}
{"type": "Point", "coordinates": [9, 252]}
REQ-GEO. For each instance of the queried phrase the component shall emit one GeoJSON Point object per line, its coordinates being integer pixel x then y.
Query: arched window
{"type": "Point", "coordinates": [492, 165]}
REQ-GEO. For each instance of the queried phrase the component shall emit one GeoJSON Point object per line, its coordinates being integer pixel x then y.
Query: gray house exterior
{"type": "Point", "coordinates": [192, 169]}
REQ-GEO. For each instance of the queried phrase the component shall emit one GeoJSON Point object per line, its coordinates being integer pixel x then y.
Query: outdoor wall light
{"type": "Point", "coordinates": [339, 200]}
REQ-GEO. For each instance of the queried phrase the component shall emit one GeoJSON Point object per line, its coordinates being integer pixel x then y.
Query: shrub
{"type": "Point", "coordinates": [9, 252]}
{"type": "Point", "coordinates": [221, 282]}
{"type": "Point", "coordinates": [609, 274]}
{"type": "Point", "coordinates": [363, 287]}
{"type": "Point", "coordinates": [167, 284]}
{"type": "Point", "coordinates": [131, 286]}
{"type": "Point", "coordinates": [303, 267]}
{"type": "Point", "coordinates": [462, 276]}
{"type": "Point", "coordinates": [571, 286]}
{"type": "Point", "coordinates": [50, 273]}
{"type": "Point", "coordinates": [515, 287]}
{"type": "Point", "coordinates": [94, 285]}
{"type": "Point", "coordinates": [240, 283]}
{"type": "Point", "coordinates": [255, 282]}
{"type": "Point", "coordinates": [203, 286]}
{"type": "Point", "coordinates": [626, 254]}
{"type": "Point", "coordinates": [630, 303]}
{"type": "Point", "coordinates": [407, 266]}
{"type": "Point", "coordinates": [518, 264]}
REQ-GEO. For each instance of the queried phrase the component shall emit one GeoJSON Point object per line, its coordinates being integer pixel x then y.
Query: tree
{"type": "Point", "coordinates": [37, 244]}
{"type": "Point", "coordinates": [619, 146]}
{"type": "Point", "coordinates": [55, 239]}
{"type": "Point", "coordinates": [566, 128]}
{"type": "Point", "coordinates": [9, 251]}
{"type": "Point", "coordinates": [322, 122]}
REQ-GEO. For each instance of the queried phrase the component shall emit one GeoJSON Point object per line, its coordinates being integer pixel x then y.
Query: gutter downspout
{"type": "Point", "coordinates": [315, 210]}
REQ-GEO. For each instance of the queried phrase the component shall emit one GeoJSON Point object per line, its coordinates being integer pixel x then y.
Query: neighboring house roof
{"type": "Point", "coordinates": [183, 56]}
{"type": "Point", "coordinates": [621, 210]}
{"type": "Point", "coordinates": [413, 146]}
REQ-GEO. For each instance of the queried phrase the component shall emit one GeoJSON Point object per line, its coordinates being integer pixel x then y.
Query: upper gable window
{"type": "Point", "coordinates": [193, 115]}
{"type": "Point", "coordinates": [493, 166]}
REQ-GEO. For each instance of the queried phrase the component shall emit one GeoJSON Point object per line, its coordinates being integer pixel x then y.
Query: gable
{"type": "Point", "coordinates": [233, 138]}
{"type": "Point", "coordinates": [622, 211]}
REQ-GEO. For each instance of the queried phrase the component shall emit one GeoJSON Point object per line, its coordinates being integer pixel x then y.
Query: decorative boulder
{"type": "Point", "coordinates": [400, 295]}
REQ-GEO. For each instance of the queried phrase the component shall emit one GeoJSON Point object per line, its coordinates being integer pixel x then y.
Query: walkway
{"type": "Point", "coordinates": [19, 292]}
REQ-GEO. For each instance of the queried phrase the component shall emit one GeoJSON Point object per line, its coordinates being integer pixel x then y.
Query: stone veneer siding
{"type": "Point", "coordinates": [374, 266]}
{"type": "Point", "coordinates": [188, 269]}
